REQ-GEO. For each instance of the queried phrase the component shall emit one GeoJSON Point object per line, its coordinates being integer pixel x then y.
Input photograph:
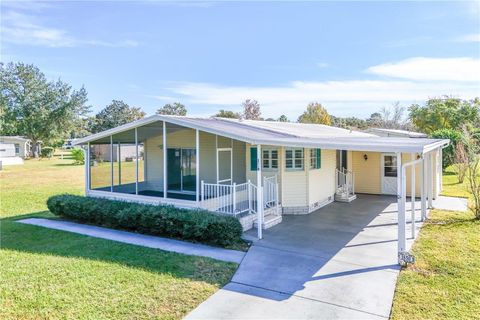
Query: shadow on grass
{"type": "Point", "coordinates": [38, 240]}
{"type": "Point", "coordinates": [67, 164]}
{"type": "Point", "coordinates": [449, 173]}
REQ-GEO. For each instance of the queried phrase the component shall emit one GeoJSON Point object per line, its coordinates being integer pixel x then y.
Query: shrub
{"type": "Point", "coordinates": [78, 156]}
{"type": "Point", "coordinates": [448, 152]}
{"type": "Point", "coordinates": [47, 152]}
{"type": "Point", "coordinates": [169, 221]}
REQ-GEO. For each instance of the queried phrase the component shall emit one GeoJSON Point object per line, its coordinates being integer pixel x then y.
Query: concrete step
{"type": "Point", "coordinates": [344, 197]}
{"type": "Point", "coordinates": [269, 221]}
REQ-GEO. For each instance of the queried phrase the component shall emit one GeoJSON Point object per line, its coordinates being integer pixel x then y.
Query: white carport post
{"type": "Point", "coordinates": [401, 199]}
{"type": "Point", "coordinates": [164, 127]}
{"type": "Point", "coordinates": [412, 196]}
{"type": "Point", "coordinates": [87, 168]}
{"type": "Point", "coordinates": [111, 163]}
{"type": "Point", "coordinates": [259, 193]}
{"type": "Point", "coordinates": [136, 160]}
{"type": "Point", "coordinates": [197, 166]}
{"type": "Point", "coordinates": [423, 182]}
{"type": "Point", "coordinates": [430, 180]}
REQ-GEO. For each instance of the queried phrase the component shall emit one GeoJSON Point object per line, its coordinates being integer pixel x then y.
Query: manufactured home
{"type": "Point", "coordinates": [258, 171]}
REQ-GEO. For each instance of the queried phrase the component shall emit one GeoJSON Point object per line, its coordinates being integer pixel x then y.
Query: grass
{"type": "Point", "coordinates": [452, 187]}
{"type": "Point", "coordinates": [51, 274]}
{"type": "Point", "coordinates": [444, 281]}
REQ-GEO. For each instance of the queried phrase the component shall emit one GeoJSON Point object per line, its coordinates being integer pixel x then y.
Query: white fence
{"type": "Point", "coordinates": [238, 198]}
{"type": "Point", "coordinates": [270, 191]}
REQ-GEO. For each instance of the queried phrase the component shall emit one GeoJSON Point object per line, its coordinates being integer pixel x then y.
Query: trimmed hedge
{"type": "Point", "coordinates": [168, 221]}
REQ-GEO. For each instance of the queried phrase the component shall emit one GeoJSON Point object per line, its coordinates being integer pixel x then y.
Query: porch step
{"type": "Point", "coordinates": [269, 221]}
{"type": "Point", "coordinates": [344, 197]}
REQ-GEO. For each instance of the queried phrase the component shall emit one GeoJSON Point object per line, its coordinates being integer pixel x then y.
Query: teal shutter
{"type": "Point", "coordinates": [319, 158]}
{"type": "Point", "coordinates": [253, 158]}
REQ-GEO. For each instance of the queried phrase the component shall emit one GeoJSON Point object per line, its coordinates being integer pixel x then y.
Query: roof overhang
{"type": "Point", "coordinates": [371, 144]}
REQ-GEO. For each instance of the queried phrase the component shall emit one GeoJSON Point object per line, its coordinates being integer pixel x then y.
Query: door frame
{"type": "Point", "coordinates": [181, 190]}
{"type": "Point", "coordinates": [382, 173]}
{"type": "Point", "coordinates": [231, 165]}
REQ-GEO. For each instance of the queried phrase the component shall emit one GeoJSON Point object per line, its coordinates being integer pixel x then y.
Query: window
{"type": "Point", "coordinates": [270, 159]}
{"type": "Point", "coordinates": [17, 148]}
{"type": "Point", "coordinates": [294, 158]}
{"type": "Point", "coordinates": [315, 158]}
{"type": "Point", "coordinates": [390, 166]}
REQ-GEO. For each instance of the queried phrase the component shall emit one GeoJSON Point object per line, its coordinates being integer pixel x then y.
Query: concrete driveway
{"type": "Point", "coordinates": [338, 262]}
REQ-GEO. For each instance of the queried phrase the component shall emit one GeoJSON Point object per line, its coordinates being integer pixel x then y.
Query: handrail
{"type": "Point", "coordinates": [238, 198]}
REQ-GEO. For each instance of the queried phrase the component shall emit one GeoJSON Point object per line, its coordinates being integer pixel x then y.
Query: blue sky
{"type": "Point", "coordinates": [353, 57]}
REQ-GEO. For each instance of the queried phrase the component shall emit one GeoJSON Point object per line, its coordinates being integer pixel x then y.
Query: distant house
{"type": "Point", "coordinates": [126, 152]}
{"type": "Point", "coordinates": [381, 132]}
{"type": "Point", "coordinates": [23, 146]}
{"type": "Point", "coordinates": [13, 149]}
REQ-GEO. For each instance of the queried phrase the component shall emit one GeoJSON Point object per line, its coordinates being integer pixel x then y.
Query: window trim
{"type": "Point", "coordinates": [269, 151]}
{"type": "Point", "coordinates": [294, 159]}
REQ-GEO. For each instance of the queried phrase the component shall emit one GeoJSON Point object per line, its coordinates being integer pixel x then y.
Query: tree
{"type": "Point", "coordinates": [115, 114]}
{"type": "Point", "coordinates": [473, 172]}
{"type": "Point", "coordinates": [315, 113]}
{"type": "Point", "coordinates": [375, 120]}
{"type": "Point", "coordinates": [34, 107]}
{"type": "Point", "coordinates": [448, 157]}
{"type": "Point", "coordinates": [227, 114]}
{"type": "Point", "coordinates": [349, 123]}
{"type": "Point", "coordinates": [175, 109]}
{"type": "Point", "coordinates": [283, 118]}
{"type": "Point", "coordinates": [445, 113]}
{"type": "Point", "coordinates": [460, 165]}
{"type": "Point", "coordinates": [393, 118]}
{"type": "Point", "coordinates": [251, 110]}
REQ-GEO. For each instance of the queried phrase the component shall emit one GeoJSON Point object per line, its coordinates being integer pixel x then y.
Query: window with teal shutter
{"type": "Point", "coordinates": [253, 158]}
{"type": "Point", "coordinates": [315, 158]}
{"type": "Point", "coordinates": [319, 158]}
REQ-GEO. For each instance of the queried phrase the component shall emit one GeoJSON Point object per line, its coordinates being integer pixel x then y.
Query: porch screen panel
{"type": "Point", "coordinates": [150, 165]}
{"type": "Point", "coordinates": [124, 162]}
{"type": "Point", "coordinates": [100, 165]}
{"type": "Point", "coordinates": [141, 162]}
{"type": "Point", "coordinates": [224, 167]}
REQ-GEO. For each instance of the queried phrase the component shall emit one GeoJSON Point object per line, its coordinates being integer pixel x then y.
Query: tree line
{"type": "Point", "coordinates": [50, 111]}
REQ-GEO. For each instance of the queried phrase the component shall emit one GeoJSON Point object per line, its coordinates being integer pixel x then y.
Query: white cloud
{"type": "Point", "coordinates": [25, 29]}
{"type": "Point", "coordinates": [474, 37]}
{"type": "Point", "coordinates": [431, 69]}
{"type": "Point", "coordinates": [322, 64]}
{"type": "Point", "coordinates": [360, 97]}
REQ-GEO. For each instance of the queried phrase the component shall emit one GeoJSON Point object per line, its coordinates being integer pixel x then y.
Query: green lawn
{"type": "Point", "coordinates": [451, 186]}
{"type": "Point", "coordinates": [444, 283]}
{"type": "Point", "coordinates": [53, 274]}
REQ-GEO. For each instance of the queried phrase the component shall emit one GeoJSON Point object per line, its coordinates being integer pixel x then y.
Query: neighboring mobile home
{"type": "Point", "coordinates": [258, 170]}
{"type": "Point", "coordinates": [23, 146]}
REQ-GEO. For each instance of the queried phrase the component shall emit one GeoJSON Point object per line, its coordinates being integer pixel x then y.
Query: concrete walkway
{"type": "Point", "coordinates": [450, 203]}
{"type": "Point", "coordinates": [140, 239]}
{"type": "Point", "coordinates": [339, 262]}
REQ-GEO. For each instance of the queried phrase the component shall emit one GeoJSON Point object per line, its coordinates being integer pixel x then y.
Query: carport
{"type": "Point", "coordinates": [338, 262]}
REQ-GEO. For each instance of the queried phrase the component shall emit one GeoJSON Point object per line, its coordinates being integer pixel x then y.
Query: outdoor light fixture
{"type": "Point", "coordinates": [365, 157]}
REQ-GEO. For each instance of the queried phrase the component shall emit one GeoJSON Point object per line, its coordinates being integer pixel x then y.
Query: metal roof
{"type": "Point", "coordinates": [396, 133]}
{"type": "Point", "coordinates": [285, 134]}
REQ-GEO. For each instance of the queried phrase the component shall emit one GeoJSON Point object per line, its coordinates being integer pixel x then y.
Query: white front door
{"type": "Point", "coordinates": [389, 173]}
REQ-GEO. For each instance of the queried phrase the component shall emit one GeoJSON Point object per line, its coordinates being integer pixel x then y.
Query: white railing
{"type": "Point", "coordinates": [345, 182]}
{"type": "Point", "coordinates": [270, 191]}
{"type": "Point", "coordinates": [238, 198]}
